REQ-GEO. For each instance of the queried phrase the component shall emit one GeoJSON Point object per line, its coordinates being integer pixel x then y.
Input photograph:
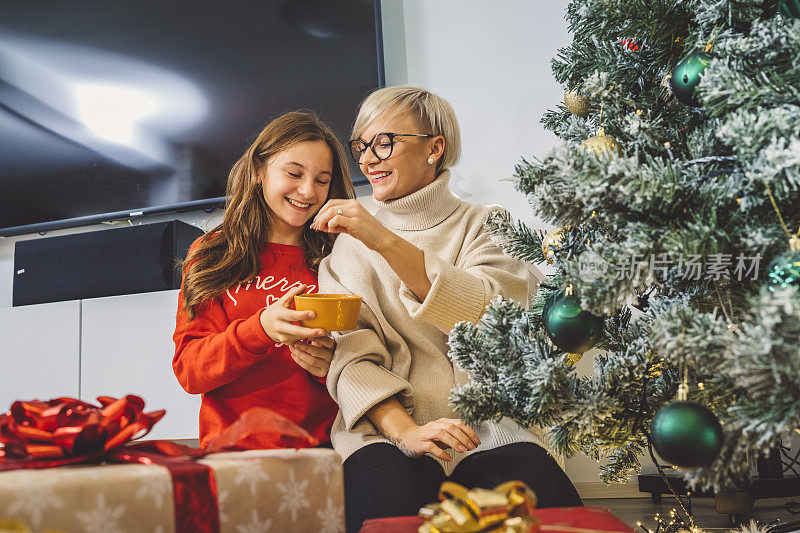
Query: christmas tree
{"type": "Point", "coordinates": [675, 186]}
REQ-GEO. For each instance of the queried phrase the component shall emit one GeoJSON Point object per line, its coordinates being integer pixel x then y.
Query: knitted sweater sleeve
{"type": "Point", "coordinates": [211, 351]}
{"type": "Point", "coordinates": [360, 374]}
{"type": "Point", "coordinates": [461, 291]}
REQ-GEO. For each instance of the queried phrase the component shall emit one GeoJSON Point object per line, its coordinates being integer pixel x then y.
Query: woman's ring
{"type": "Point", "coordinates": [339, 211]}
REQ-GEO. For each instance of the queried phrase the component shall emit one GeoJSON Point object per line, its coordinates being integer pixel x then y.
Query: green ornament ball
{"type": "Point", "coordinates": [686, 76]}
{"type": "Point", "coordinates": [568, 326]}
{"type": "Point", "coordinates": [784, 271]}
{"type": "Point", "coordinates": [790, 9]}
{"type": "Point", "coordinates": [686, 434]}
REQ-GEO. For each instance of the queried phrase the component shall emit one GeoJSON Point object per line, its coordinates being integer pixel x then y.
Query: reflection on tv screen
{"type": "Point", "coordinates": [110, 107]}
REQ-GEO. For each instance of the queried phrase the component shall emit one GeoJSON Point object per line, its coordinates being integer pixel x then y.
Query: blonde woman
{"type": "Point", "coordinates": [421, 264]}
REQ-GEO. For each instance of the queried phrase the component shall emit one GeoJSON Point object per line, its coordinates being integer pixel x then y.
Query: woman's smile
{"type": "Point", "coordinates": [375, 177]}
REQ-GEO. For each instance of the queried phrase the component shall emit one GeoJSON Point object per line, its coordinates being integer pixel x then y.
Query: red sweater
{"type": "Point", "coordinates": [225, 355]}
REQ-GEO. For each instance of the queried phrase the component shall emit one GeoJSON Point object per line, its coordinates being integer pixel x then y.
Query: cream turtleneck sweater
{"type": "Point", "coordinates": [399, 346]}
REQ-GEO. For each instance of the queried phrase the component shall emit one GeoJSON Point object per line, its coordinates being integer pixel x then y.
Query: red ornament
{"type": "Point", "coordinates": [631, 45]}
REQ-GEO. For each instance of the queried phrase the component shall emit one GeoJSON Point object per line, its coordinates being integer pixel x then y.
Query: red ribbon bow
{"type": "Point", "coordinates": [39, 434]}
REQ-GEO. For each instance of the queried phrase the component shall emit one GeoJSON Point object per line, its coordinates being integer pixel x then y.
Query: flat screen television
{"type": "Point", "coordinates": [114, 109]}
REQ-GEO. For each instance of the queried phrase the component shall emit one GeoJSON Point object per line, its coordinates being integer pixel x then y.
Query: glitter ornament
{"type": "Point", "coordinates": [552, 238]}
{"type": "Point", "coordinates": [577, 104]}
{"type": "Point", "coordinates": [602, 144]}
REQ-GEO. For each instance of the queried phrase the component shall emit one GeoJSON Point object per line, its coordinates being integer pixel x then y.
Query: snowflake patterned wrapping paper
{"type": "Point", "coordinates": [282, 490]}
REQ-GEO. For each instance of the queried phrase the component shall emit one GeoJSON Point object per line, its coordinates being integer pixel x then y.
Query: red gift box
{"type": "Point", "coordinates": [553, 520]}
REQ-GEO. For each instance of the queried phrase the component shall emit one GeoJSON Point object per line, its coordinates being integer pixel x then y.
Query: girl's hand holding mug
{"type": "Point", "coordinates": [314, 355]}
{"type": "Point", "coordinates": [277, 318]}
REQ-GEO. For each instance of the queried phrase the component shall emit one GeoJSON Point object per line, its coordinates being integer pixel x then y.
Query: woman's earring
{"type": "Point", "coordinates": [431, 160]}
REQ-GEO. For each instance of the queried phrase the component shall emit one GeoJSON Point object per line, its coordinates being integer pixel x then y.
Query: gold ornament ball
{"type": "Point", "coordinates": [573, 358]}
{"type": "Point", "coordinates": [602, 144]}
{"type": "Point", "coordinates": [577, 104]}
{"type": "Point", "coordinates": [665, 83]}
{"type": "Point", "coordinates": [666, 93]}
{"type": "Point", "coordinates": [552, 238]}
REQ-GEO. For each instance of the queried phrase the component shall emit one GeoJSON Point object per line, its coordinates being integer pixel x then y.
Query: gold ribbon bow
{"type": "Point", "coordinates": [508, 508]}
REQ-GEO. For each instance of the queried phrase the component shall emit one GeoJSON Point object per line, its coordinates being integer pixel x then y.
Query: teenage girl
{"type": "Point", "coordinates": [236, 338]}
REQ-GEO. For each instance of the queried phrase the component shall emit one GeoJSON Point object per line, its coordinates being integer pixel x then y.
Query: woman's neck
{"type": "Point", "coordinates": [422, 209]}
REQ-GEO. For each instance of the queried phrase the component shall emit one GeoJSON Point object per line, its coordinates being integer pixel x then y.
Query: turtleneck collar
{"type": "Point", "coordinates": [422, 209]}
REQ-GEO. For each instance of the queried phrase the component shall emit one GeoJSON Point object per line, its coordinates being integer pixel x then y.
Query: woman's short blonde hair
{"type": "Point", "coordinates": [434, 114]}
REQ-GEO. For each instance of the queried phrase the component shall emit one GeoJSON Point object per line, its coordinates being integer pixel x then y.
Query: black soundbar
{"type": "Point", "coordinates": [109, 262]}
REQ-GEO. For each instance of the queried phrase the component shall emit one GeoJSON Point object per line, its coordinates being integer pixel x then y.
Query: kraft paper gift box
{"type": "Point", "coordinates": [282, 490]}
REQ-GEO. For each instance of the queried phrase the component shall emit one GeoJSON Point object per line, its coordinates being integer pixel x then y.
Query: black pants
{"type": "Point", "coordinates": [380, 481]}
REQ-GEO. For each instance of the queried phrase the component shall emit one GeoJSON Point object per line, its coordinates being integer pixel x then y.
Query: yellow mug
{"type": "Point", "coordinates": [334, 312]}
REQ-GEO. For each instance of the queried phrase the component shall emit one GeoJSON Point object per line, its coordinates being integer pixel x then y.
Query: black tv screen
{"type": "Point", "coordinates": [111, 109]}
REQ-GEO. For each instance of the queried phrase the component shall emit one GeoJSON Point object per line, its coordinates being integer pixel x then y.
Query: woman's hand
{"type": "Point", "coordinates": [406, 260]}
{"type": "Point", "coordinates": [353, 220]}
{"type": "Point", "coordinates": [314, 355]}
{"type": "Point", "coordinates": [277, 319]}
{"type": "Point", "coordinates": [437, 436]}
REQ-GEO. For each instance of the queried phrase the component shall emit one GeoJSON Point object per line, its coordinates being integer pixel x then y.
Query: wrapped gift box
{"type": "Point", "coordinates": [552, 520]}
{"type": "Point", "coordinates": [283, 490]}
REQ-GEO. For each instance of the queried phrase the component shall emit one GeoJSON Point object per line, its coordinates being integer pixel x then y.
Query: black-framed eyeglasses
{"type": "Point", "coordinates": [381, 145]}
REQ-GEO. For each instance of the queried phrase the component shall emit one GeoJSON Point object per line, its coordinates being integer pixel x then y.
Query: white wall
{"type": "Point", "coordinates": [491, 60]}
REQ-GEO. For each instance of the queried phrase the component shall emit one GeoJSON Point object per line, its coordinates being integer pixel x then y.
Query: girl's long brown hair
{"type": "Point", "coordinates": [228, 254]}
